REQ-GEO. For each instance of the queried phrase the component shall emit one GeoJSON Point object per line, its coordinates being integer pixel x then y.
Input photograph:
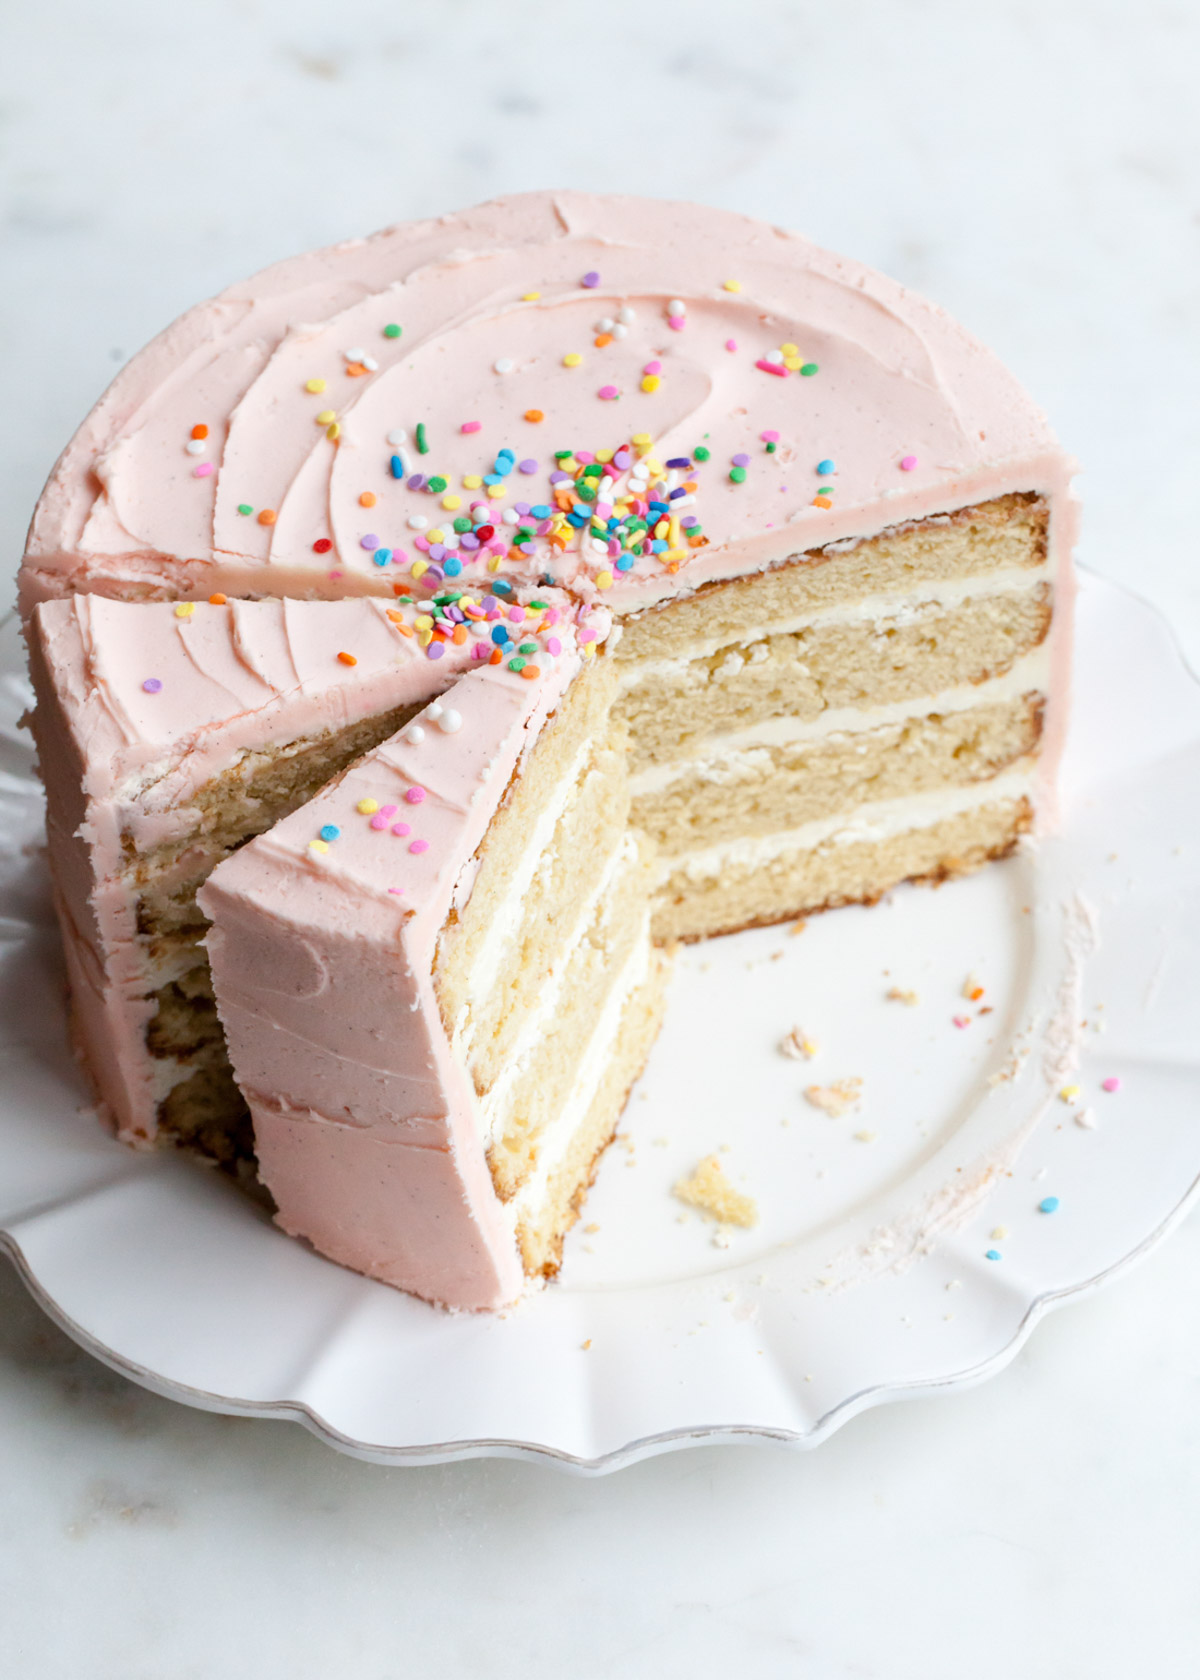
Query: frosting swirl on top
{"type": "Point", "coordinates": [321, 427]}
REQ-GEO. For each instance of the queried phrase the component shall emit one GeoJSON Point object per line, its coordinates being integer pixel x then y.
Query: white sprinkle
{"type": "Point", "coordinates": [1087, 1119]}
{"type": "Point", "coordinates": [606, 325]}
{"type": "Point", "coordinates": [195, 446]}
{"type": "Point", "coordinates": [414, 735]}
{"type": "Point", "coordinates": [485, 773]}
{"type": "Point", "coordinates": [450, 539]}
{"type": "Point", "coordinates": [510, 516]}
{"type": "Point", "coordinates": [355, 356]}
{"type": "Point", "coordinates": [417, 522]}
{"type": "Point", "coordinates": [775, 356]}
{"type": "Point", "coordinates": [626, 315]}
{"type": "Point", "coordinates": [677, 307]}
{"type": "Point", "coordinates": [369, 362]}
{"type": "Point", "coordinates": [397, 437]}
{"type": "Point", "coordinates": [619, 331]}
{"type": "Point", "coordinates": [434, 710]}
{"type": "Point", "coordinates": [503, 364]}
{"type": "Point", "coordinates": [450, 722]}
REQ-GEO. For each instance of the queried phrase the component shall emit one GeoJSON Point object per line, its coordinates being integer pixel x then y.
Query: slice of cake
{"type": "Point", "coordinates": [832, 536]}
{"type": "Point", "coordinates": [437, 984]}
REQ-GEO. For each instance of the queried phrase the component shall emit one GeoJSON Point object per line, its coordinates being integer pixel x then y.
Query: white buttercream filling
{"type": "Point", "coordinates": [916, 602]}
{"type": "Point", "coordinates": [868, 823]}
{"type": "Point", "coordinates": [716, 757]}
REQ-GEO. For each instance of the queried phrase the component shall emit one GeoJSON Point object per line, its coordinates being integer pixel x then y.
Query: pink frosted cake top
{"type": "Point", "coordinates": [321, 427]}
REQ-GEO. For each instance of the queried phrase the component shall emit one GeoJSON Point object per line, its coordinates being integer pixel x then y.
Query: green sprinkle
{"type": "Point", "coordinates": [461, 525]}
{"type": "Point", "coordinates": [527, 647]}
{"type": "Point", "coordinates": [593, 470]}
{"type": "Point", "coordinates": [809, 369]}
{"type": "Point", "coordinates": [701, 454]}
{"type": "Point", "coordinates": [538, 606]}
{"type": "Point", "coordinates": [422, 440]}
{"type": "Point", "coordinates": [391, 330]}
{"type": "Point", "coordinates": [516, 664]}
{"type": "Point", "coordinates": [437, 484]}
{"type": "Point", "coordinates": [771, 448]}
{"type": "Point", "coordinates": [244, 507]}
{"type": "Point", "coordinates": [738, 474]}
{"type": "Point", "coordinates": [585, 491]}
{"type": "Point", "coordinates": [563, 454]}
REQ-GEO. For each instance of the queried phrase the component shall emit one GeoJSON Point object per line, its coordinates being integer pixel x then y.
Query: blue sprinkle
{"type": "Point", "coordinates": [503, 466]}
{"type": "Point", "coordinates": [505, 454]}
{"type": "Point", "coordinates": [397, 466]}
{"type": "Point", "coordinates": [625, 563]}
{"type": "Point", "coordinates": [660, 507]}
{"type": "Point", "coordinates": [825, 468]}
{"type": "Point", "coordinates": [381, 556]}
{"type": "Point", "coordinates": [493, 478]}
{"type": "Point", "coordinates": [500, 635]}
{"type": "Point", "coordinates": [330, 832]}
{"type": "Point", "coordinates": [539, 510]}
{"type": "Point", "coordinates": [451, 566]}
{"type": "Point", "coordinates": [1048, 1204]}
{"type": "Point", "coordinates": [993, 1254]}
{"type": "Point", "coordinates": [658, 546]}
{"type": "Point", "coordinates": [500, 587]}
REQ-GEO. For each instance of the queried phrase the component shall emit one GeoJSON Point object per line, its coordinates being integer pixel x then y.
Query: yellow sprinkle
{"type": "Point", "coordinates": [588, 649]}
{"type": "Point", "coordinates": [185, 609]}
{"type": "Point", "coordinates": [732, 285]}
{"type": "Point", "coordinates": [334, 431]}
{"type": "Point", "coordinates": [318, 845]}
{"type": "Point", "coordinates": [451, 502]}
{"type": "Point", "coordinates": [326, 417]}
{"type": "Point", "coordinates": [424, 622]}
{"type": "Point", "coordinates": [472, 481]}
{"type": "Point", "coordinates": [656, 467]}
{"type": "Point", "coordinates": [790, 349]}
{"type": "Point", "coordinates": [604, 580]}
{"type": "Point", "coordinates": [494, 562]}
{"type": "Point", "coordinates": [1068, 1093]}
{"type": "Point", "coordinates": [367, 807]}
{"type": "Point", "coordinates": [316, 386]}
{"type": "Point", "coordinates": [641, 441]}
{"type": "Point", "coordinates": [999, 1232]}
{"type": "Point", "coordinates": [792, 363]}
{"type": "Point", "coordinates": [425, 637]}
{"type": "Point", "coordinates": [436, 535]}
{"type": "Point", "coordinates": [572, 359]}
{"type": "Point", "coordinates": [419, 568]}
{"type": "Point", "coordinates": [496, 492]}
{"type": "Point", "coordinates": [605, 454]}
{"type": "Point", "coordinates": [651, 382]}
{"type": "Point", "coordinates": [530, 297]}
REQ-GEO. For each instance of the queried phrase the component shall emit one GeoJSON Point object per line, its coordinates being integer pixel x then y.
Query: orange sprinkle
{"type": "Point", "coordinates": [355, 370]}
{"type": "Point", "coordinates": [600, 341]}
{"type": "Point", "coordinates": [529, 671]}
{"type": "Point", "coordinates": [691, 486]}
{"type": "Point", "coordinates": [216, 600]}
{"type": "Point", "coordinates": [399, 589]}
{"type": "Point", "coordinates": [199, 431]}
{"type": "Point", "coordinates": [496, 657]}
{"type": "Point", "coordinates": [368, 499]}
{"type": "Point", "coordinates": [673, 566]}
{"type": "Point", "coordinates": [822, 501]}
{"type": "Point", "coordinates": [398, 620]}
{"type": "Point", "coordinates": [460, 634]}
{"type": "Point", "coordinates": [267, 516]}
{"type": "Point", "coordinates": [533, 415]}
{"type": "Point", "coordinates": [347, 659]}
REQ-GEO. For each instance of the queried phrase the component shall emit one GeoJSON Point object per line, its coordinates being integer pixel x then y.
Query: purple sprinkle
{"type": "Point", "coordinates": [491, 607]}
{"type": "Point", "coordinates": [417, 481]}
{"type": "Point", "coordinates": [590, 279]}
{"type": "Point", "coordinates": [689, 519]}
{"type": "Point", "coordinates": [521, 507]}
{"type": "Point", "coordinates": [544, 527]}
{"type": "Point", "coordinates": [469, 541]}
{"type": "Point", "coordinates": [622, 459]}
{"type": "Point", "coordinates": [455, 614]}
{"type": "Point", "coordinates": [436, 573]}
{"type": "Point", "coordinates": [152, 685]}
{"type": "Point", "coordinates": [741, 460]}
{"type": "Point", "coordinates": [369, 542]}
{"type": "Point", "coordinates": [529, 466]}
{"type": "Point", "coordinates": [560, 478]}
{"type": "Point", "coordinates": [684, 461]}
{"type": "Point", "coordinates": [675, 494]}
{"type": "Point", "coordinates": [435, 650]}
{"type": "Point", "coordinates": [437, 551]}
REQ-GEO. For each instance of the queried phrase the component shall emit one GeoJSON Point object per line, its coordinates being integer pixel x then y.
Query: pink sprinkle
{"type": "Point", "coordinates": [551, 615]}
{"type": "Point", "coordinates": [731, 344]}
{"type": "Point", "coordinates": [585, 457]}
{"type": "Point", "coordinates": [471, 426]}
{"type": "Point", "coordinates": [554, 646]}
{"type": "Point", "coordinates": [379, 821]}
{"type": "Point", "coordinates": [481, 650]}
{"type": "Point", "coordinates": [585, 636]}
{"type": "Point", "coordinates": [652, 367]}
{"type": "Point", "coordinates": [422, 543]}
{"type": "Point", "coordinates": [1112, 1084]}
{"type": "Point", "coordinates": [401, 829]}
{"type": "Point", "coordinates": [677, 322]}
{"type": "Point", "coordinates": [516, 614]}
{"type": "Point", "coordinates": [777, 368]}
{"type": "Point", "coordinates": [399, 558]}
{"type": "Point", "coordinates": [415, 795]}
{"type": "Point", "coordinates": [608, 392]}
{"type": "Point", "coordinates": [419, 846]}
{"type": "Point", "coordinates": [335, 574]}
{"type": "Point", "coordinates": [907, 463]}
{"type": "Point", "coordinates": [962, 1020]}
{"type": "Point", "coordinates": [604, 509]}
{"type": "Point", "coordinates": [203, 470]}
{"type": "Point", "coordinates": [399, 891]}
{"type": "Point", "coordinates": [769, 437]}
{"type": "Point", "coordinates": [387, 810]}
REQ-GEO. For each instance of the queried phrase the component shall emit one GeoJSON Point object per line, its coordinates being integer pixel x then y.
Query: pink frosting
{"type": "Point", "coordinates": [119, 757]}
{"type": "Point", "coordinates": [366, 1127]}
{"type": "Point", "coordinates": [914, 414]}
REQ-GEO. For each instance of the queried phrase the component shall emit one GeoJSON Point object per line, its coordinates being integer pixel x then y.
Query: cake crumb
{"type": "Point", "coordinates": [866, 1137]}
{"type": "Point", "coordinates": [971, 989]}
{"type": "Point", "coordinates": [1087, 1119]}
{"type": "Point", "coordinates": [721, 1238]}
{"type": "Point", "coordinates": [900, 994]}
{"type": "Point", "coordinates": [798, 926]}
{"type": "Point", "coordinates": [709, 1190]}
{"type": "Point", "coordinates": [591, 1229]}
{"type": "Point", "coordinates": [835, 1099]}
{"type": "Point", "coordinates": [586, 1345]}
{"type": "Point", "coordinates": [797, 1046]}
{"type": "Point", "coordinates": [1000, 1232]}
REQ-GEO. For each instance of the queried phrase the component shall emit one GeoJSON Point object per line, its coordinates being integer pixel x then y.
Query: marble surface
{"type": "Point", "coordinates": [1035, 169]}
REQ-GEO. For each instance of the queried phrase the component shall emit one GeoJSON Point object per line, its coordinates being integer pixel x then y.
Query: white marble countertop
{"type": "Point", "coordinates": [1033, 168]}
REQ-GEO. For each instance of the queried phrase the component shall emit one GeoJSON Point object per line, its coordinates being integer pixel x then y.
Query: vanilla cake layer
{"type": "Point", "coordinates": [844, 861]}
